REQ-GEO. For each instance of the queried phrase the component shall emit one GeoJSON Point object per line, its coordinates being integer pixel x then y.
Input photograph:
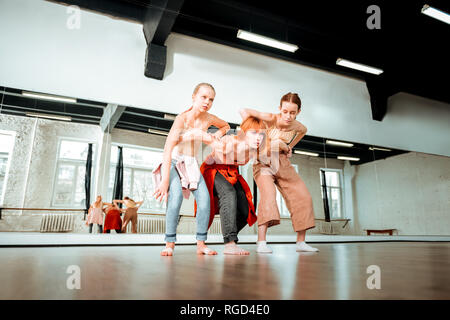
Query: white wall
{"type": "Point", "coordinates": [409, 192]}
{"type": "Point", "coordinates": [104, 61]}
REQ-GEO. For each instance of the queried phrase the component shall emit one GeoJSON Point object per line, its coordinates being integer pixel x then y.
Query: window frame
{"type": "Point", "coordinates": [58, 161]}
{"type": "Point", "coordinates": [133, 168]}
{"type": "Point", "coordinates": [341, 189]}
{"type": "Point", "coordinates": [13, 134]}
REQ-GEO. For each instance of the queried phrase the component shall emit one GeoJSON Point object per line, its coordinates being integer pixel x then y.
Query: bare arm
{"type": "Point", "coordinates": [139, 203]}
{"type": "Point", "coordinates": [270, 118]}
{"type": "Point", "coordinates": [197, 134]}
{"type": "Point", "coordinates": [278, 144]}
{"type": "Point", "coordinates": [219, 123]}
{"type": "Point", "coordinates": [172, 140]}
{"type": "Point", "coordinates": [223, 147]}
{"type": "Point", "coordinates": [300, 133]}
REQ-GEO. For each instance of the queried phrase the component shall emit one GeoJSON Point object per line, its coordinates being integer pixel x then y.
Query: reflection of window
{"type": "Point", "coordinates": [334, 191]}
{"type": "Point", "coordinates": [138, 164]}
{"type": "Point", "coordinates": [70, 169]}
{"type": "Point", "coordinates": [6, 147]}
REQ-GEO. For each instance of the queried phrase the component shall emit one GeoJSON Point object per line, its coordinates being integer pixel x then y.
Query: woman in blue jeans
{"type": "Point", "coordinates": [180, 171]}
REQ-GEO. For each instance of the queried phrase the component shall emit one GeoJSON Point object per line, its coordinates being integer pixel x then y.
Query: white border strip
{"type": "Point", "coordinates": [42, 239]}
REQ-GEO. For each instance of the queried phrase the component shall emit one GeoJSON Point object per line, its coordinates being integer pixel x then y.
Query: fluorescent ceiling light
{"type": "Point", "coordinates": [347, 158]}
{"type": "Point", "coordinates": [48, 116]}
{"type": "Point", "coordinates": [380, 149]}
{"type": "Point", "coordinates": [164, 133]}
{"type": "Point", "coordinates": [358, 66]}
{"type": "Point", "coordinates": [48, 97]}
{"type": "Point", "coordinates": [266, 41]}
{"type": "Point", "coordinates": [169, 116]}
{"type": "Point", "coordinates": [338, 143]}
{"type": "Point", "coordinates": [312, 154]}
{"type": "Point", "coordinates": [435, 13]}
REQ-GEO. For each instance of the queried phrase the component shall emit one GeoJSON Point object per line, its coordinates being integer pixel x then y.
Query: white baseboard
{"type": "Point", "coordinates": [55, 239]}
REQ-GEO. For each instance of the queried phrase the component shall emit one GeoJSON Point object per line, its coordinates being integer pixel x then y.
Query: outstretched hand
{"type": "Point", "coordinates": [289, 154]}
{"type": "Point", "coordinates": [162, 192]}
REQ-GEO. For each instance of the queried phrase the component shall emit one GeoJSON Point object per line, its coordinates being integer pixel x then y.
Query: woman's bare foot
{"type": "Point", "coordinates": [168, 250]}
{"type": "Point", "coordinates": [203, 249]}
{"type": "Point", "coordinates": [232, 248]}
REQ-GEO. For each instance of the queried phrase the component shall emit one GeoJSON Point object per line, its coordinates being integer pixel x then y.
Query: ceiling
{"type": "Point", "coordinates": [140, 120]}
{"type": "Point", "coordinates": [410, 47]}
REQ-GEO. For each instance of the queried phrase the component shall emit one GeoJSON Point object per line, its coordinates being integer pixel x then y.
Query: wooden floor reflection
{"type": "Point", "coordinates": [409, 270]}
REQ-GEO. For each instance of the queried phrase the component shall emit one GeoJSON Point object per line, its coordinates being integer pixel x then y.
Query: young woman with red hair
{"type": "Point", "coordinates": [230, 196]}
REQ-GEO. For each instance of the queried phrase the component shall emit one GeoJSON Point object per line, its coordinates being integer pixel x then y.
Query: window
{"type": "Point", "coordinates": [138, 164]}
{"type": "Point", "coordinates": [69, 190]}
{"type": "Point", "coordinates": [333, 179]}
{"type": "Point", "coordinates": [6, 148]}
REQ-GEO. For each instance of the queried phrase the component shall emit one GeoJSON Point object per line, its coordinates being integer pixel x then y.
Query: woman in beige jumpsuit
{"type": "Point", "coordinates": [274, 170]}
{"type": "Point", "coordinates": [131, 214]}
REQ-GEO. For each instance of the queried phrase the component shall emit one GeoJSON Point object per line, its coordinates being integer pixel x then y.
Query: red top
{"type": "Point", "coordinates": [231, 173]}
{"type": "Point", "coordinates": [112, 220]}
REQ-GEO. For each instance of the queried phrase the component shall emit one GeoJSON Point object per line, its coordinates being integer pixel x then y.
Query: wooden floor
{"type": "Point", "coordinates": [409, 270]}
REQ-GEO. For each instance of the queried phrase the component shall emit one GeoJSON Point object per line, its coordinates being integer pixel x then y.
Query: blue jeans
{"type": "Point", "coordinates": [174, 204]}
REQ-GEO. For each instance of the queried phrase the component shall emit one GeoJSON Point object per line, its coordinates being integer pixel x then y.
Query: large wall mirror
{"type": "Point", "coordinates": [45, 144]}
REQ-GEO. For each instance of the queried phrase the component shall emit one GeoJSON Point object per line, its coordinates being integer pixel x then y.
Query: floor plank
{"type": "Point", "coordinates": [409, 270]}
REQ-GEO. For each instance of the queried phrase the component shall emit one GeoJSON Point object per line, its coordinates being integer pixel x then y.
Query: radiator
{"type": "Point", "coordinates": [216, 227]}
{"type": "Point", "coordinates": [149, 225]}
{"type": "Point", "coordinates": [327, 227]}
{"type": "Point", "coordinates": [61, 222]}
{"type": "Point", "coordinates": [158, 225]}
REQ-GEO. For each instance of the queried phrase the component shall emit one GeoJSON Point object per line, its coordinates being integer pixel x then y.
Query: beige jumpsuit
{"type": "Point", "coordinates": [278, 171]}
{"type": "Point", "coordinates": [130, 216]}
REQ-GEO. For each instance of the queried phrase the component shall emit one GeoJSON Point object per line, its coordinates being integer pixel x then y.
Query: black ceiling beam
{"type": "Point", "coordinates": [158, 22]}
{"type": "Point", "coordinates": [380, 89]}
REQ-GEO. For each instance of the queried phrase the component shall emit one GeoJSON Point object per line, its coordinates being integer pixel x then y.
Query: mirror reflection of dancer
{"type": "Point", "coordinates": [95, 215]}
{"type": "Point", "coordinates": [180, 172]}
{"type": "Point", "coordinates": [130, 213]}
{"type": "Point", "coordinates": [230, 196]}
{"type": "Point", "coordinates": [113, 221]}
{"type": "Point", "coordinates": [284, 132]}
